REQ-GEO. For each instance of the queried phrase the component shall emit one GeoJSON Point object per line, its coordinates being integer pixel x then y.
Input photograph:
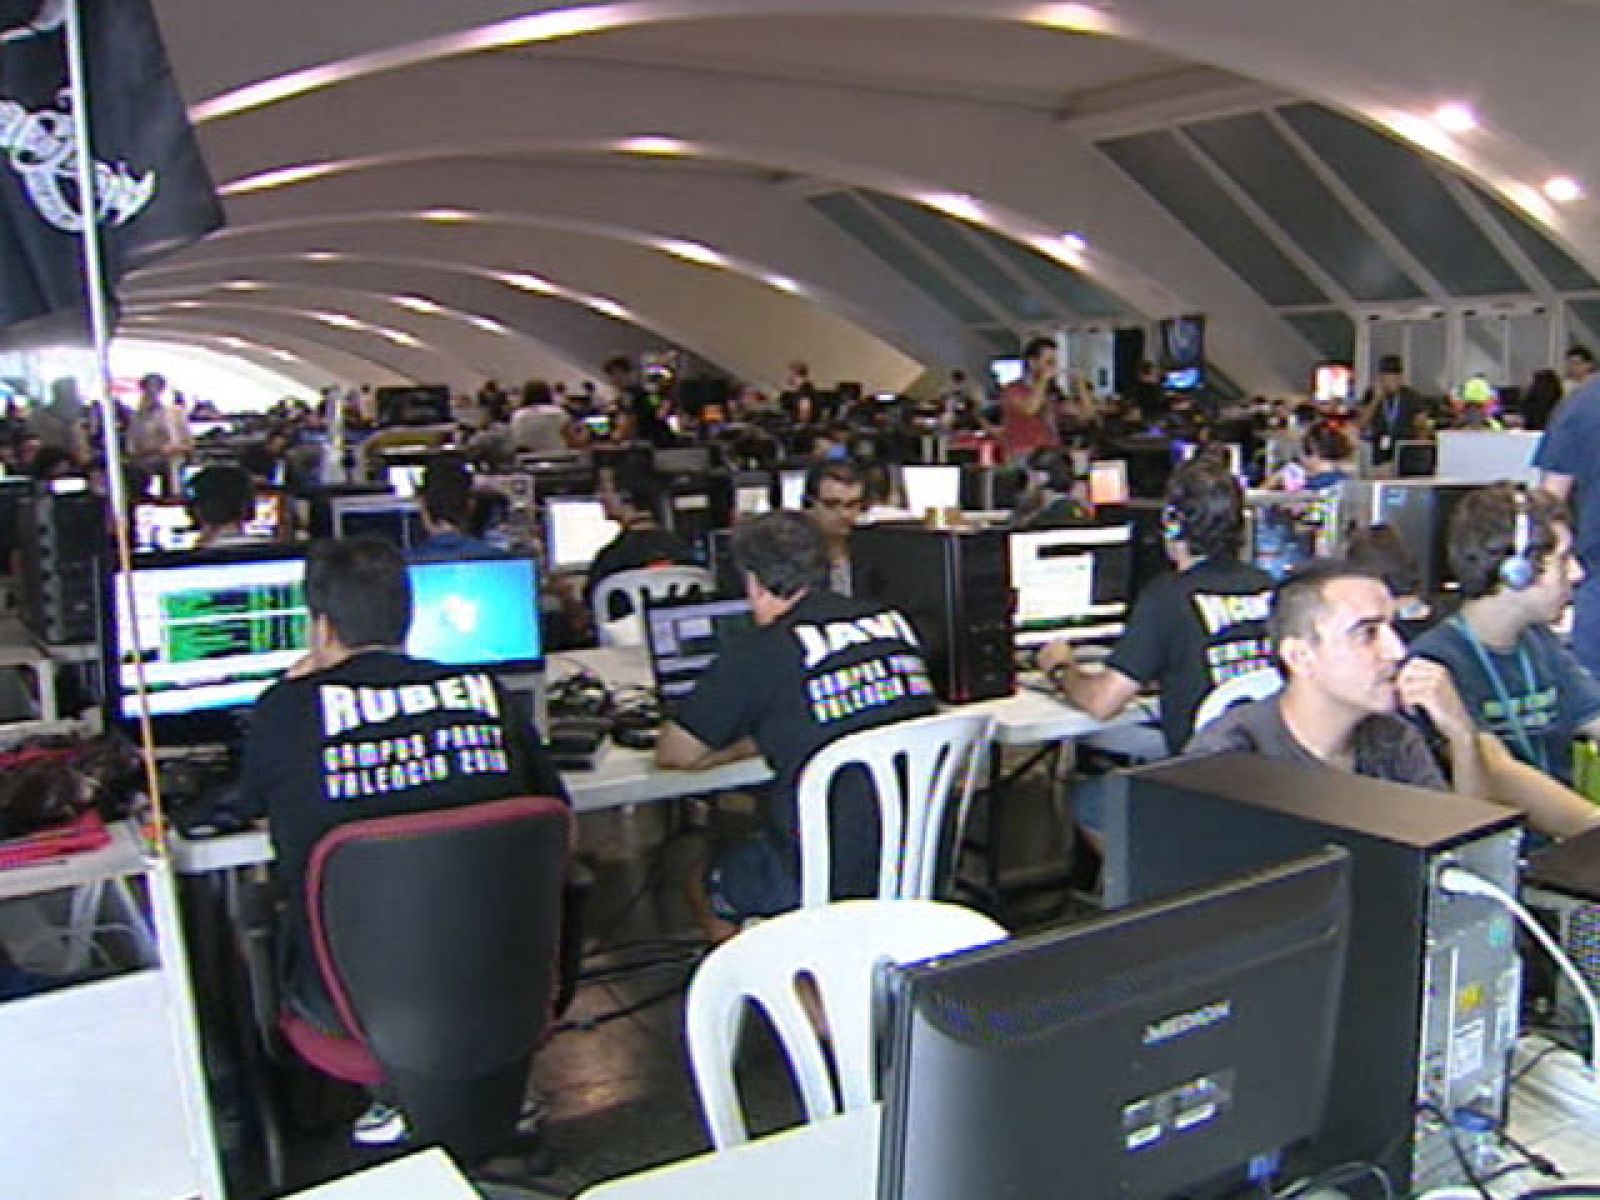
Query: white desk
{"type": "Point", "coordinates": [837, 1159]}
{"type": "Point", "coordinates": [426, 1175]}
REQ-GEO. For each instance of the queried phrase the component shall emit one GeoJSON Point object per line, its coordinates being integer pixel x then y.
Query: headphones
{"type": "Point", "coordinates": [1173, 525]}
{"type": "Point", "coordinates": [1517, 569]}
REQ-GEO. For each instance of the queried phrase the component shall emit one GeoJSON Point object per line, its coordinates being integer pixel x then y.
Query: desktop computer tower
{"type": "Point", "coordinates": [63, 541]}
{"type": "Point", "coordinates": [1429, 1010]}
{"type": "Point", "coordinates": [954, 585]}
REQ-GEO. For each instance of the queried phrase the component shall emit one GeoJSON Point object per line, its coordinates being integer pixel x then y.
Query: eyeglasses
{"type": "Point", "coordinates": [840, 503]}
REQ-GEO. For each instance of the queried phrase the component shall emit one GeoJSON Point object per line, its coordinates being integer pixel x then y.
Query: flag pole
{"type": "Point", "coordinates": [111, 435]}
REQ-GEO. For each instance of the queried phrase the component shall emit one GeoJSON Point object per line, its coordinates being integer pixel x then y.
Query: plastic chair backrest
{"type": "Point", "coordinates": [915, 765]}
{"type": "Point", "coordinates": [658, 583]}
{"type": "Point", "coordinates": [838, 947]}
{"type": "Point", "coordinates": [1253, 685]}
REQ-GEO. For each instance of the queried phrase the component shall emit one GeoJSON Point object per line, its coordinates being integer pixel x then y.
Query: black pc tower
{"type": "Point", "coordinates": [64, 538]}
{"type": "Point", "coordinates": [1429, 1010]}
{"type": "Point", "coordinates": [954, 585]}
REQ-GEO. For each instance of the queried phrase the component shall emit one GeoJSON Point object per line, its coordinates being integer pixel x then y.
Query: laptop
{"type": "Point", "coordinates": [684, 639]}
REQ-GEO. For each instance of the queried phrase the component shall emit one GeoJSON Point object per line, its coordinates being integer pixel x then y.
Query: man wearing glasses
{"type": "Point", "coordinates": [836, 496]}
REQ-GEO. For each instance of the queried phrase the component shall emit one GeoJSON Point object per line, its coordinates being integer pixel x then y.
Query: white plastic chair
{"type": "Point", "coordinates": [1253, 685]}
{"type": "Point", "coordinates": [915, 765]}
{"type": "Point", "coordinates": [838, 947]}
{"type": "Point", "coordinates": [658, 583]}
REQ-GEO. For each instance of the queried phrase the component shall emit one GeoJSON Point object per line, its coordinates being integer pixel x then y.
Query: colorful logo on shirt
{"type": "Point", "coordinates": [818, 643]}
{"type": "Point", "coordinates": [877, 682]}
{"type": "Point", "coordinates": [1229, 655]}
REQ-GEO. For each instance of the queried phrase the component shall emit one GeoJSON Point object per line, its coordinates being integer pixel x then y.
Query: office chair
{"type": "Point", "coordinates": [436, 935]}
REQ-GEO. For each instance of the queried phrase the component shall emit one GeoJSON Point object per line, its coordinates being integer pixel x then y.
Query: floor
{"type": "Point", "coordinates": [615, 1074]}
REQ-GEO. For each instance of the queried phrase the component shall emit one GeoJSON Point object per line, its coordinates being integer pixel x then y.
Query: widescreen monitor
{"type": "Point", "coordinates": [1005, 371]}
{"type": "Point", "coordinates": [413, 405]}
{"type": "Point", "coordinates": [389, 518]}
{"type": "Point", "coordinates": [931, 489]}
{"type": "Point", "coordinates": [1144, 1054]}
{"type": "Point", "coordinates": [685, 639]}
{"type": "Point", "coordinates": [752, 495]}
{"type": "Point", "coordinates": [576, 530]}
{"type": "Point", "coordinates": [476, 612]}
{"type": "Point", "coordinates": [163, 527]}
{"type": "Point", "coordinates": [1071, 583]}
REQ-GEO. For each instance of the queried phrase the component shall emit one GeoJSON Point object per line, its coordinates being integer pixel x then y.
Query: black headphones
{"type": "Point", "coordinates": [1518, 570]}
{"type": "Point", "coordinates": [1173, 524]}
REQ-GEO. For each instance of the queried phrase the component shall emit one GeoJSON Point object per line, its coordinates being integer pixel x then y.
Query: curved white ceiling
{"type": "Point", "coordinates": [995, 113]}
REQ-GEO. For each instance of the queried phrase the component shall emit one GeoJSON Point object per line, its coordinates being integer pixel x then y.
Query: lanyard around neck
{"type": "Point", "coordinates": [1537, 753]}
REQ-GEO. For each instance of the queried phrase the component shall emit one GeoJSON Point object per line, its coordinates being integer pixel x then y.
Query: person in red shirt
{"type": "Point", "coordinates": [1028, 406]}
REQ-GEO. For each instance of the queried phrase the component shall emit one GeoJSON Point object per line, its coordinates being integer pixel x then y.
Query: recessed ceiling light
{"type": "Point", "coordinates": [654, 143]}
{"type": "Point", "coordinates": [243, 285]}
{"type": "Point", "coordinates": [527, 282]}
{"type": "Point", "coordinates": [338, 320]}
{"type": "Point", "coordinates": [487, 324]}
{"type": "Point", "coordinates": [693, 252]}
{"type": "Point", "coordinates": [955, 204]}
{"type": "Point", "coordinates": [1071, 18]}
{"type": "Point", "coordinates": [1455, 118]}
{"type": "Point", "coordinates": [783, 283]}
{"type": "Point", "coordinates": [1563, 189]}
{"type": "Point", "coordinates": [321, 256]}
{"type": "Point", "coordinates": [418, 304]}
{"type": "Point", "coordinates": [447, 216]}
{"type": "Point", "coordinates": [281, 177]}
{"type": "Point", "coordinates": [398, 336]}
{"type": "Point", "coordinates": [609, 308]}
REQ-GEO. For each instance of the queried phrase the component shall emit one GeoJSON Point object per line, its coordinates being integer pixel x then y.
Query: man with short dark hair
{"type": "Point", "coordinates": [1392, 410]}
{"type": "Point", "coordinates": [1192, 629]}
{"type": "Point", "coordinates": [1028, 407]}
{"type": "Point", "coordinates": [818, 667]}
{"type": "Point", "coordinates": [446, 497]}
{"type": "Point", "coordinates": [1346, 681]}
{"type": "Point", "coordinates": [1511, 550]}
{"type": "Point", "coordinates": [360, 729]}
{"type": "Point", "coordinates": [222, 499]}
{"type": "Point", "coordinates": [634, 500]}
{"type": "Point", "coordinates": [836, 496]}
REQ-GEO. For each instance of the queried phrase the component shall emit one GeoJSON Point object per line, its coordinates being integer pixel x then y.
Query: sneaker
{"type": "Point", "coordinates": [381, 1125]}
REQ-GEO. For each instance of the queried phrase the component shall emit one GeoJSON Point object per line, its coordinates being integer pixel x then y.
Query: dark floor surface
{"type": "Point", "coordinates": [615, 1074]}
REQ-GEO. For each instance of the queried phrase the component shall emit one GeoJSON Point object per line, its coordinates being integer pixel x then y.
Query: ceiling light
{"type": "Point", "coordinates": [1563, 189]}
{"type": "Point", "coordinates": [283, 356]}
{"type": "Point", "coordinates": [1075, 243]}
{"type": "Point", "coordinates": [1070, 18]}
{"type": "Point", "coordinates": [398, 336]}
{"type": "Point", "coordinates": [527, 282]}
{"type": "Point", "coordinates": [338, 320]}
{"type": "Point", "coordinates": [609, 308]}
{"type": "Point", "coordinates": [280, 177]}
{"type": "Point", "coordinates": [185, 304]}
{"type": "Point", "coordinates": [447, 216]}
{"type": "Point", "coordinates": [321, 256]}
{"type": "Point", "coordinates": [1455, 118]}
{"type": "Point", "coordinates": [783, 283]}
{"type": "Point", "coordinates": [693, 252]}
{"type": "Point", "coordinates": [955, 204]}
{"type": "Point", "coordinates": [243, 285]}
{"type": "Point", "coordinates": [418, 304]}
{"type": "Point", "coordinates": [655, 144]}
{"type": "Point", "coordinates": [487, 324]}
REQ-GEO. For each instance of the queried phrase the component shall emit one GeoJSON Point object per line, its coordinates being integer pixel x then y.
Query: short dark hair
{"type": "Point", "coordinates": [1579, 350]}
{"type": "Point", "coordinates": [360, 584]}
{"type": "Point", "coordinates": [617, 362]}
{"type": "Point", "coordinates": [784, 550]}
{"type": "Point", "coordinates": [640, 490]}
{"type": "Point", "coordinates": [1381, 550]}
{"type": "Point", "coordinates": [1208, 504]}
{"type": "Point", "coordinates": [839, 470]}
{"type": "Point", "coordinates": [537, 391]}
{"type": "Point", "coordinates": [1483, 533]}
{"type": "Point", "coordinates": [446, 492]}
{"type": "Point", "coordinates": [1035, 346]}
{"type": "Point", "coordinates": [1326, 440]}
{"type": "Point", "coordinates": [1297, 601]}
{"type": "Point", "coordinates": [222, 495]}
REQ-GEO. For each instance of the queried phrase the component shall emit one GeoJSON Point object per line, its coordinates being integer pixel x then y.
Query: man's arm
{"type": "Point", "coordinates": [679, 750]}
{"type": "Point", "coordinates": [1102, 694]}
{"type": "Point", "coordinates": [1427, 685]}
{"type": "Point", "coordinates": [1550, 807]}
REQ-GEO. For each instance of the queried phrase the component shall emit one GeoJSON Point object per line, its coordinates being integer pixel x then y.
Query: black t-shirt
{"type": "Point", "coordinates": [630, 550]}
{"type": "Point", "coordinates": [1396, 421]}
{"type": "Point", "coordinates": [833, 666]}
{"type": "Point", "coordinates": [1193, 630]}
{"type": "Point", "coordinates": [379, 735]}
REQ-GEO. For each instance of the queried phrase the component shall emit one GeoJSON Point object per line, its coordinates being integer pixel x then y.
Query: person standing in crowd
{"type": "Point", "coordinates": [1146, 397]}
{"type": "Point", "coordinates": [1392, 411]}
{"type": "Point", "coordinates": [1578, 367]}
{"type": "Point", "coordinates": [799, 396]}
{"type": "Point", "coordinates": [1028, 407]}
{"type": "Point", "coordinates": [1540, 398]}
{"type": "Point", "coordinates": [1196, 627]}
{"type": "Point", "coordinates": [540, 426]}
{"type": "Point", "coordinates": [157, 434]}
{"type": "Point", "coordinates": [1568, 458]}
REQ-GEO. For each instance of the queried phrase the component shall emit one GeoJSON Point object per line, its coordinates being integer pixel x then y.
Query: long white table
{"type": "Point", "coordinates": [622, 776]}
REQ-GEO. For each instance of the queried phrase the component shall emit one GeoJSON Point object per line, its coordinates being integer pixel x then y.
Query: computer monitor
{"type": "Point", "coordinates": [388, 517]}
{"type": "Point", "coordinates": [428, 404]}
{"type": "Point", "coordinates": [792, 489]}
{"type": "Point", "coordinates": [405, 480]}
{"type": "Point", "coordinates": [683, 460]}
{"type": "Point", "coordinates": [211, 636]}
{"type": "Point", "coordinates": [1289, 529]}
{"type": "Point", "coordinates": [1108, 481]}
{"type": "Point", "coordinates": [685, 639]}
{"type": "Point", "coordinates": [752, 494]}
{"type": "Point", "coordinates": [476, 612]}
{"type": "Point", "coordinates": [1071, 583]}
{"type": "Point", "coordinates": [1005, 371]}
{"type": "Point", "coordinates": [576, 530]}
{"type": "Point", "coordinates": [931, 488]}
{"type": "Point", "coordinates": [1140, 1055]}
{"type": "Point", "coordinates": [166, 527]}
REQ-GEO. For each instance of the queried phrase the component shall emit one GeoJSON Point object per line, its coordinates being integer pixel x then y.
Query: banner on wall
{"type": "Point", "coordinates": [153, 192]}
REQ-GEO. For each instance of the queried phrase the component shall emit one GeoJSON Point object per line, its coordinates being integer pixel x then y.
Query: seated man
{"type": "Point", "coordinates": [222, 499]}
{"type": "Point", "coordinates": [836, 496]}
{"type": "Point", "coordinates": [1512, 551]}
{"type": "Point", "coordinates": [634, 501]}
{"type": "Point", "coordinates": [355, 698]}
{"type": "Point", "coordinates": [1347, 679]}
{"type": "Point", "coordinates": [446, 499]}
{"type": "Point", "coordinates": [1192, 629]}
{"type": "Point", "coordinates": [819, 666]}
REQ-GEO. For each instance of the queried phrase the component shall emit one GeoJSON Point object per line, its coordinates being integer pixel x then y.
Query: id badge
{"type": "Point", "coordinates": [1385, 445]}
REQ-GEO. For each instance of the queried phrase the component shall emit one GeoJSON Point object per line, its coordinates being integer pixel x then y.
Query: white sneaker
{"type": "Point", "coordinates": [381, 1125]}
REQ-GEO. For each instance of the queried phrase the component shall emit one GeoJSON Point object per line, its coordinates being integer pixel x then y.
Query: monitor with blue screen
{"type": "Point", "coordinates": [474, 613]}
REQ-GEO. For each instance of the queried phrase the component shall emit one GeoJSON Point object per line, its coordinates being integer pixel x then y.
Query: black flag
{"type": "Point", "coordinates": [154, 193]}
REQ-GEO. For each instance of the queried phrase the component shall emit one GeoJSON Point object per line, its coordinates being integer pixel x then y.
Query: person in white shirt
{"type": "Point", "coordinates": [540, 426]}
